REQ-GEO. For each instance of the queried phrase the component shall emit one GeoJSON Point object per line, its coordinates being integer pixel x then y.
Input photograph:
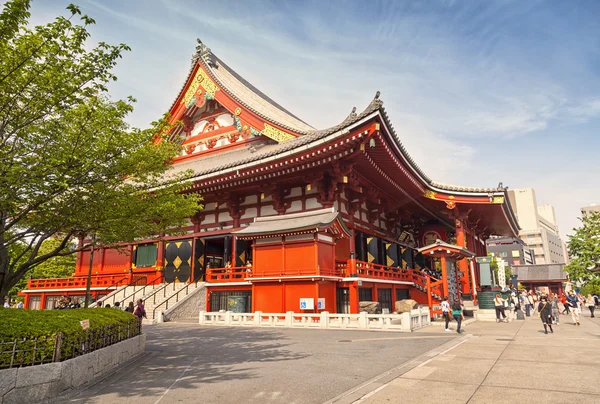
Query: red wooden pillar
{"type": "Point", "coordinates": [444, 275]}
{"type": "Point", "coordinates": [79, 261]}
{"type": "Point", "coordinates": [160, 257]}
{"type": "Point", "coordinates": [429, 297]}
{"type": "Point", "coordinates": [354, 306]}
{"type": "Point", "coordinates": [463, 267]}
{"type": "Point", "coordinates": [43, 301]}
{"type": "Point", "coordinates": [375, 293]}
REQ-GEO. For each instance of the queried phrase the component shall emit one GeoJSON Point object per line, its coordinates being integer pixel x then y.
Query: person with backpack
{"type": "Point", "coordinates": [457, 313]}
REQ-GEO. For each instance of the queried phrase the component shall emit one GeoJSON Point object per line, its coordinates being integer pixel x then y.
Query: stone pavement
{"type": "Point", "coordinates": [501, 363]}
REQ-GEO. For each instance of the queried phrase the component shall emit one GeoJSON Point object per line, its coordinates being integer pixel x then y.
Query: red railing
{"type": "Point", "coordinates": [76, 282]}
{"type": "Point", "coordinates": [233, 274]}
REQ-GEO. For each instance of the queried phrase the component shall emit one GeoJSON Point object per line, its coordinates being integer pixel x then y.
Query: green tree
{"type": "Point", "coordinates": [55, 267]}
{"type": "Point", "coordinates": [70, 166]}
{"type": "Point", "coordinates": [584, 249]}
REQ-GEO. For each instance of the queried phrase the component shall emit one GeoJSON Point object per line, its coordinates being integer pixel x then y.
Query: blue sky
{"type": "Point", "coordinates": [478, 91]}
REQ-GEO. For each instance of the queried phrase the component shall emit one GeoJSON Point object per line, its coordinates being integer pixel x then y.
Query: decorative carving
{"type": "Point", "coordinates": [233, 137]}
{"type": "Point", "coordinates": [200, 79]}
{"type": "Point", "coordinates": [450, 205]}
{"type": "Point", "coordinates": [211, 125]}
{"type": "Point", "coordinates": [498, 200]}
{"type": "Point", "coordinates": [244, 130]}
{"type": "Point", "coordinates": [429, 194]}
{"type": "Point", "coordinates": [276, 134]}
{"type": "Point", "coordinates": [189, 149]}
{"type": "Point", "coordinates": [211, 143]}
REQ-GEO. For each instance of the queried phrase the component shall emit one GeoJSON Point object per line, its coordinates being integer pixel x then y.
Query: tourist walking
{"type": "Point", "coordinates": [139, 311]}
{"type": "Point", "coordinates": [499, 305]}
{"type": "Point", "coordinates": [545, 313]}
{"type": "Point", "coordinates": [555, 310]}
{"type": "Point", "coordinates": [130, 308]}
{"type": "Point", "coordinates": [573, 302]}
{"type": "Point", "coordinates": [591, 304]}
{"type": "Point", "coordinates": [530, 302]}
{"type": "Point", "coordinates": [446, 312]}
{"type": "Point", "coordinates": [6, 302]}
{"type": "Point", "coordinates": [457, 313]}
{"type": "Point", "coordinates": [563, 299]}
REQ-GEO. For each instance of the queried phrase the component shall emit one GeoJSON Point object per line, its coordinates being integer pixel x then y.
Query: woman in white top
{"type": "Point", "coordinates": [591, 304]}
{"type": "Point", "coordinates": [499, 305]}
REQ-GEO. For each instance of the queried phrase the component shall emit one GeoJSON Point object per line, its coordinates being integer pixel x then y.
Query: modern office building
{"type": "Point", "coordinates": [512, 250]}
{"type": "Point", "coordinates": [538, 225]}
{"type": "Point", "coordinates": [586, 210]}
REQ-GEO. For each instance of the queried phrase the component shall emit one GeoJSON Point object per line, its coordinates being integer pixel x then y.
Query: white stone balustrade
{"type": "Point", "coordinates": [405, 322]}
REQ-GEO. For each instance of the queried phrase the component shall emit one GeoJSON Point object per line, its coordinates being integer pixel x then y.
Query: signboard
{"type": "Point", "coordinates": [485, 272]}
{"type": "Point", "coordinates": [502, 273]}
{"type": "Point", "coordinates": [307, 303]}
{"type": "Point", "coordinates": [359, 283]}
{"type": "Point", "coordinates": [85, 324]}
{"type": "Point", "coordinates": [321, 303]}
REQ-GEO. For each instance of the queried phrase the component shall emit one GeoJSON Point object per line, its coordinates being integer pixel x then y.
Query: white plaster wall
{"type": "Point", "coordinates": [224, 216]}
{"type": "Point", "coordinates": [251, 199]}
{"type": "Point", "coordinates": [267, 210]}
{"type": "Point", "coordinates": [296, 192]}
{"type": "Point", "coordinates": [311, 203]}
{"type": "Point", "coordinates": [250, 213]}
{"type": "Point", "coordinates": [295, 207]}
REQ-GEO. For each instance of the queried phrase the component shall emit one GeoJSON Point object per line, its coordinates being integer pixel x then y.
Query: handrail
{"type": "Point", "coordinates": [139, 290]}
{"type": "Point", "coordinates": [176, 295]}
{"type": "Point", "coordinates": [164, 290]}
{"type": "Point", "coordinates": [111, 286]}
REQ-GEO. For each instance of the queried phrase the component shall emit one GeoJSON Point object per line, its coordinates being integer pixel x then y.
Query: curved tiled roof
{"type": "Point", "coordinates": [254, 100]}
{"type": "Point", "coordinates": [244, 92]}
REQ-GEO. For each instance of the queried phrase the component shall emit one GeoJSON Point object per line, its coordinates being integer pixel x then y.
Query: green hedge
{"type": "Point", "coordinates": [38, 329]}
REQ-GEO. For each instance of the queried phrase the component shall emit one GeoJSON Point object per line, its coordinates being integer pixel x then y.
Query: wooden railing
{"type": "Point", "coordinates": [75, 282]}
{"type": "Point", "coordinates": [233, 274]}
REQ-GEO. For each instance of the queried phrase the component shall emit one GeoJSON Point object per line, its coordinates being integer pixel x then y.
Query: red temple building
{"type": "Point", "coordinates": [300, 219]}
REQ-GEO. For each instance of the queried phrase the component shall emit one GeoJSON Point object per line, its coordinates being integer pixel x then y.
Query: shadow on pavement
{"type": "Point", "coordinates": [191, 356]}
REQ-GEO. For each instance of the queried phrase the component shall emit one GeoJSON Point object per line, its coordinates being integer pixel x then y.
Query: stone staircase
{"type": "Point", "coordinates": [128, 293]}
{"type": "Point", "coordinates": [173, 292]}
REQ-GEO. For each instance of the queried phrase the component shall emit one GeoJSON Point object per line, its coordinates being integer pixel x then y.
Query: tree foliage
{"type": "Point", "coordinates": [70, 165]}
{"type": "Point", "coordinates": [584, 249]}
{"type": "Point", "coordinates": [54, 267]}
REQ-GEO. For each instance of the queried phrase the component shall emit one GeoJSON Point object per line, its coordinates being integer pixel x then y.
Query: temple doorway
{"type": "Point", "coordinates": [343, 300]}
{"type": "Point", "coordinates": [178, 261]}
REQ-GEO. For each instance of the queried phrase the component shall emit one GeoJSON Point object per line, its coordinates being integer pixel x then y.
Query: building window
{"type": "Point", "coordinates": [51, 302]}
{"type": "Point", "coordinates": [365, 294]}
{"type": "Point", "coordinates": [34, 302]}
{"type": "Point", "coordinates": [145, 255]}
{"type": "Point", "coordinates": [516, 253]}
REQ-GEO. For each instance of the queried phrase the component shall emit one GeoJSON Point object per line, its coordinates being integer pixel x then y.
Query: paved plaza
{"type": "Point", "coordinates": [490, 363]}
{"type": "Point", "coordinates": [505, 363]}
{"type": "Point", "coordinates": [193, 364]}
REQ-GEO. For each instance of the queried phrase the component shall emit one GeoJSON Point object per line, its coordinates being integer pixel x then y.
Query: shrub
{"type": "Point", "coordinates": [32, 334]}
